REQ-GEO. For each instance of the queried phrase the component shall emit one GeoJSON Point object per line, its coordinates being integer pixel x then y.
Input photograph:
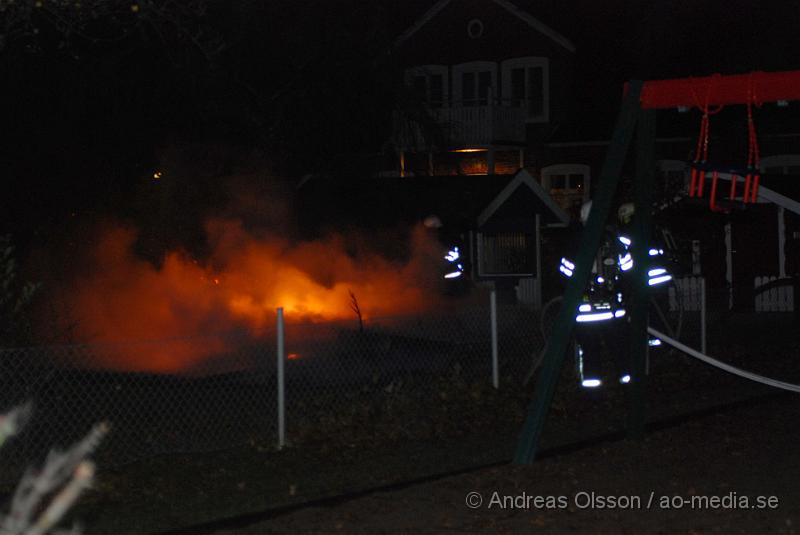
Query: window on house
{"type": "Point", "coordinates": [782, 164]}
{"type": "Point", "coordinates": [436, 90]}
{"type": "Point", "coordinates": [525, 84]}
{"type": "Point", "coordinates": [566, 180]}
{"type": "Point", "coordinates": [517, 87]}
{"type": "Point", "coordinates": [429, 83]}
{"type": "Point", "coordinates": [534, 92]}
{"type": "Point", "coordinates": [507, 253]}
{"type": "Point", "coordinates": [468, 93]}
{"type": "Point", "coordinates": [568, 184]}
{"type": "Point", "coordinates": [421, 87]}
{"type": "Point", "coordinates": [475, 88]}
{"type": "Point", "coordinates": [484, 86]}
{"type": "Point", "coordinates": [558, 181]}
{"type": "Point", "coordinates": [475, 82]}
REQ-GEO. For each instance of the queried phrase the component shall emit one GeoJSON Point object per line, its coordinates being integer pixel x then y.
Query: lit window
{"type": "Point", "coordinates": [568, 184]}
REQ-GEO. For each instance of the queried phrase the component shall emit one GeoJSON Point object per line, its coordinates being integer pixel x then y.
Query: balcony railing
{"type": "Point", "coordinates": [460, 125]}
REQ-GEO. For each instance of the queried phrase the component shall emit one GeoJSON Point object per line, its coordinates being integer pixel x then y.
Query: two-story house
{"type": "Point", "coordinates": [487, 82]}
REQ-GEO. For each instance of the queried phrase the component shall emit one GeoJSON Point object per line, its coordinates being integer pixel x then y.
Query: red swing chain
{"type": "Point", "coordinates": [700, 156]}
{"type": "Point", "coordinates": [753, 174]}
{"type": "Point", "coordinates": [698, 176]}
{"type": "Point", "coordinates": [753, 154]}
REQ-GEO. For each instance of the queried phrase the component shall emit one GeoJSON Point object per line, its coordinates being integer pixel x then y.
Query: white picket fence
{"type": "Point", "coordinates": [687, 293]}
{"type": "Point", "coordinates": [777, 299]}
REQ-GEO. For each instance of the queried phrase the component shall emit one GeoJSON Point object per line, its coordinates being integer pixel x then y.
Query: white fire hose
{"type": "Point", "coordinates": [721, 365]}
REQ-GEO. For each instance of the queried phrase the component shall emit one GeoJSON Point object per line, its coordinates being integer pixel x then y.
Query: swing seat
{"type": "Point", "coordinates": [729, 188]}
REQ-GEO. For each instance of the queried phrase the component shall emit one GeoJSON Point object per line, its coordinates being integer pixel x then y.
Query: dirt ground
{"type": "Point", "coordinates": [733, 472]}
{"type": "Point", "coordinates": [720, 441]}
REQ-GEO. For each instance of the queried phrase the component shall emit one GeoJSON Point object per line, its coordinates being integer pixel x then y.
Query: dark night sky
{"type": "Point", "coordinates": [305, 83]}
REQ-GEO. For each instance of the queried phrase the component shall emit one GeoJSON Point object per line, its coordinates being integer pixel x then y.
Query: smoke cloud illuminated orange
{"type": "Point", "coordinates": [238, 287]}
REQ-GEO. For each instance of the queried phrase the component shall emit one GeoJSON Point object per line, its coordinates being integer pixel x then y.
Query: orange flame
{"type": "Point", "coordinates": [240, 286]}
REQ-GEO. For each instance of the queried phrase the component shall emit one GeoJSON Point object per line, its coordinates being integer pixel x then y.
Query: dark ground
{"type": "Point", "coordinates": [715, 435]}
{"type": "Point", "coordinates": [743, 454]}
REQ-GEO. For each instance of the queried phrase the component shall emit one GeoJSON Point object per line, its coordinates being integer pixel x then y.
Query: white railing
{"type": "Point", "coordinates": [466, 126]}
{"type": "Point", "coordinates": [775, 299]}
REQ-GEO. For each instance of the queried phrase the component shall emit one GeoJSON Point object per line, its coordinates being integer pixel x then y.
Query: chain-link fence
{"type": "Point", "coordinates": [209, 406]}
{"type": "Point", "coordinates": [215, 391]}
{"type": "Point", "coordinates": [218, 390]}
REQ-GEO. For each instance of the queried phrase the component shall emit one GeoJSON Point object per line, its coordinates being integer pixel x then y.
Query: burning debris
{"type": "Point", "coordinates": [238, 287]}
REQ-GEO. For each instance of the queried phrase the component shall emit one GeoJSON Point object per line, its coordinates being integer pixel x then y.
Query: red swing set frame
{"type": "Point", "coordinates": [710, 94]}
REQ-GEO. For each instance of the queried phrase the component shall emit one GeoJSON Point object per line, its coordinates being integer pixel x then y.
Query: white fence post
{"type": "Point", "coordinates": [493, 319]}
{"type": "Point", "coordinates": [281, 383]}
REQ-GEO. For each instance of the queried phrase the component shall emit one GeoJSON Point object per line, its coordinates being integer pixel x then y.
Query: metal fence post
{"type": "Point", "coordinates": [703, 315]}
{"type": "Point", "coordinates": [281, 383]}
{"type": "Point", "coordinates": [493, 319]}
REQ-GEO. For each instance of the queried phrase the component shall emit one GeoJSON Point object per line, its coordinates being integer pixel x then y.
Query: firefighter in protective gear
{"type": "Point", "coordinates": [601, 321]}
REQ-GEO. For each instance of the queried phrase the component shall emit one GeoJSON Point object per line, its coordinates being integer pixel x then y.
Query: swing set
{"type": "Point", "coordinates": [637, 117]}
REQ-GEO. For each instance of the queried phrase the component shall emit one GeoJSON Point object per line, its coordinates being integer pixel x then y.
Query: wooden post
{"type": "Point", "coordinates": [590, 242]}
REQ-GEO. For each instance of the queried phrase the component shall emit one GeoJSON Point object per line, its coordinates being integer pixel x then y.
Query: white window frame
{"type": "Point", "coordinates": [526, 62]}
{"type": "Point", "coordinates": [474, 67]}
{"type": "Point", "coordinates": [427, 71]}
{"type": "Point", "coordinates": [783, 161]}
{"type": "Point", "coordinates": [568, 169]}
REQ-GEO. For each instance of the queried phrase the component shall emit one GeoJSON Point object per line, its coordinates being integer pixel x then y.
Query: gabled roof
{"type": "Point", "coordinates": [531, 21]}
{"type": "Point", "coordinates": [554, 215]}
